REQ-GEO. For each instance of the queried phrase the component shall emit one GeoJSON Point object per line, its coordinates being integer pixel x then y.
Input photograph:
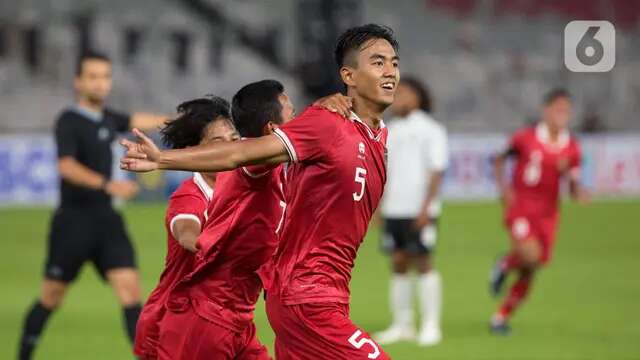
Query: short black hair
{"type": "Point", "coordinates": [255, 105]}
{"type": "Point", "coordinates": [554, 94]}
{"type": "Point", "coordinates": [424, 95]}
{"type": "Point", "coordinates": [352, 39]}
{"type": "Point", "coordinates": [89, 55]}
{"type": "Point", "coordinates": [194, 116]}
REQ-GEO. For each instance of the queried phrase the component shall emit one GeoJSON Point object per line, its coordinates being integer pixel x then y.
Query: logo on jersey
{"type": "Point", "coordinates": [103, 133]}
{"type": "Point", "coordinates": [361, 150]}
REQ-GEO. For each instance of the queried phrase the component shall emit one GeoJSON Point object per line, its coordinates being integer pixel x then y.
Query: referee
{"type": "Point", "coordinates": [85, 226]}
{"type": "Point", "coordinates": [418, 157]}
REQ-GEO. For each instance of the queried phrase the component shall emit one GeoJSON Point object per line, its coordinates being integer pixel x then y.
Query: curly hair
{"type": "Point", "coordinates": [194, 116]}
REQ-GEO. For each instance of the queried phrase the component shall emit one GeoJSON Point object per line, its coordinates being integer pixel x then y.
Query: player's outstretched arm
{"type": "Point", "coordinates": [78, 174]}
{"type": "Point", "coordinates": [145, 156]}
{"type": "Point", "coordinates": [147, 121]}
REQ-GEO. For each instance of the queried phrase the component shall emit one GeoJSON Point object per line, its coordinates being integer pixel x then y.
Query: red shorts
{"type": "Point", "coordinates": [187, 336]}
{"type": "Point", "coordinates": [148, 332]}
{"type": "Point", "coordinates": [318, 331]}
{"type": "Point", "coordinates": [541, 228]}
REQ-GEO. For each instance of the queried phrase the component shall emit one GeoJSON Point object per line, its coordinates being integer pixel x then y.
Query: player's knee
{"type": "Point", "coordinates": [529, 252]}
{"type": "Point", "coordinates": [126, 286]}
{"type": "Point", "coordinates": [400, 262]}
{"type": "Point", "coordinates": [423, 264]}
{"type": "Point", "coordinates": [52, 294]}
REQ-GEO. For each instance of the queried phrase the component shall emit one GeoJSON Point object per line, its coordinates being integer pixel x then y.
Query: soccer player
{"type": "Point", "coordinates": [200, 121]}
{"type": "Point", "coordinates": [334, 184]}
{"type": "Point", "coordinates": [85, 226]}
{"type": "Point", "coordinates": [217, 299]}
{"type": "Point", "coordinates": [544, 154]}
{"type": "Point", "coordinates": [418, 157]}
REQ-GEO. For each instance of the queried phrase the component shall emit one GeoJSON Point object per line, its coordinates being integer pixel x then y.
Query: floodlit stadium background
{"type": "Point", "coordinates": [487, 63]}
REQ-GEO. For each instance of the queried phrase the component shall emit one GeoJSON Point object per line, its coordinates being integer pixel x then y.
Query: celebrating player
{"type": "Point", "coordinates": [85, 227]}
{"type": "Point", "coordinates": [334, 185]}
{"type": "Point", "coordinates": [544, 155]}
{"type": "Point", "coordinates": [217, 299]}
{"type": "Point", "coordinates": [200, 121]}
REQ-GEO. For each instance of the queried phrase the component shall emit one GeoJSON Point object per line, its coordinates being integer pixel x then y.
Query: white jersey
{"type": "Point", "coordinates": [417, 146]}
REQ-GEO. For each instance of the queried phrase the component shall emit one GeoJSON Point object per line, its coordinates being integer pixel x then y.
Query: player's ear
{"type": "Point", "coordinates": [347, 73]}
{"type": "Point", "coordinates": [269, 128]}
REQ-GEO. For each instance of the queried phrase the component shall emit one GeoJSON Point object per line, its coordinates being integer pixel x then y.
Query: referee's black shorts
{"type": "Point", "coordinates": [399, 234]}
{"type": "Point", "coordinates": [87, 234]}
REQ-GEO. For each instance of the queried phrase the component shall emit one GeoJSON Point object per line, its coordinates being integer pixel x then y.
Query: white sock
{"type": "Point", "coordinates": [430, 294]}
{"type": "Point", "coordinates": [400, 296]}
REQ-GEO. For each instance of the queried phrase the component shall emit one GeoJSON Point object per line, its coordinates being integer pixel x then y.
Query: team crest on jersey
{"type": "Point", "coordinates": [361, 150]}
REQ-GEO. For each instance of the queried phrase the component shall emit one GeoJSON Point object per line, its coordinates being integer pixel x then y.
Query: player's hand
{"type": "Point", "coordinates": [141, 156]}
{"type": "Point", "coordinates": [582, 197]}
{"type": "Point", "coordinates": [124, 189]}
{"type": "Point", "coordinates": [337, 103]}
{"type": "Point", "coordinates": [421, 221]}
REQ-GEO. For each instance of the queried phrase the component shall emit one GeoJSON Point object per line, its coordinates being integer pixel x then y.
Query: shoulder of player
{"type": "Point", "coordinates": [325, 114]}
{"type": "Point", "coordinates": [525, 132]}
{"type": "Point", "coordinates": [67, 115]}
{"type": "Point", "coordinates": [107, 111]}
{"type": "Point", "coordinates": [110, 114]}
{"type": "Point", "coordinates": [188, 189]}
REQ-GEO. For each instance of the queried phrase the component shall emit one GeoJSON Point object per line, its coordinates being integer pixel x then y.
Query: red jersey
{"type": "Point", "coordinates": [333, 188]}
{"type": "Point", "coordinates": [539, 167]}
{"type": "Point", "coordinates": [239, 236]}
{"type": "Point", "coordinates": [189, 201]}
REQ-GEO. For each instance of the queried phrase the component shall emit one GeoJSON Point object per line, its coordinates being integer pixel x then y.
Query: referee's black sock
{"type": "Point", "coordinates": [32, 328]}
{"type": "Point", "coordinates": [131, 314]}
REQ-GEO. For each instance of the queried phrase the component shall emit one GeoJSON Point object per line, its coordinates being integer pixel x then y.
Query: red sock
{"type": "Point", "coordinates": [510, 262]}
{"type": "Point", "coordinates": [518, 292]}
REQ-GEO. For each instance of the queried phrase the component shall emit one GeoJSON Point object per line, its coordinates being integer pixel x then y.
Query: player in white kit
{"type": "Point", "coordinates": [417, 158]}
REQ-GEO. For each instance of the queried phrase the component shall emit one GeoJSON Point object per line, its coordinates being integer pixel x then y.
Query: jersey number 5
{"type": "Point", "coordinates": [358, 344]}
{"type": "Point", "coordinates": [360, 173]}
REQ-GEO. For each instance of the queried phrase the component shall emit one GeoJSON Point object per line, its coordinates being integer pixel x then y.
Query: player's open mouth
{"type": "Point", "coordinates": [388, 85]}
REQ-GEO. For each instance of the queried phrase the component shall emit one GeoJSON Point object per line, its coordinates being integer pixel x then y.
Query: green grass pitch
{"type": "Point", "coordinates": [585, 305]}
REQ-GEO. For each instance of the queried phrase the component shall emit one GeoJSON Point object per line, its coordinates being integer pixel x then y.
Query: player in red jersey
{"type": "Point", "coordinates": [216, 299]}
{"type": "Point", "coordinates": [200, 121]}
{"type": "Point", "coordinates": [545, 154]}
{"type": "Point", "coordinates": [334, 185]}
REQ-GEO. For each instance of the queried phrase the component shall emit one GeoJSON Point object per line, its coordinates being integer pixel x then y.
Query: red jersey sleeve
{"type": "Point", "coordinates": [515, 143]}
{"type": "Point", "coordinates": [310, 136]}
{"type": "Point", "coordinates": [186, 206]}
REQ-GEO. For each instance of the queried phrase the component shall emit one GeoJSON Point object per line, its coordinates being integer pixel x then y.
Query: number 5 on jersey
{"type": "Point", "coordinates": [360, 179]}
{"type": "Point", "coordinates": [359, 343]}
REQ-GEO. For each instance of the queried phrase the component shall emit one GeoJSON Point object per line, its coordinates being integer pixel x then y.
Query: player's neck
{"type": "Point", "coordinates": [89, 105]}
{"type": "Point", "coordinates": [209, 178]}
{"type": "Point", "coordinates": [554, 133]}
{"type": "Point", "coordinates": [369, 112]}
